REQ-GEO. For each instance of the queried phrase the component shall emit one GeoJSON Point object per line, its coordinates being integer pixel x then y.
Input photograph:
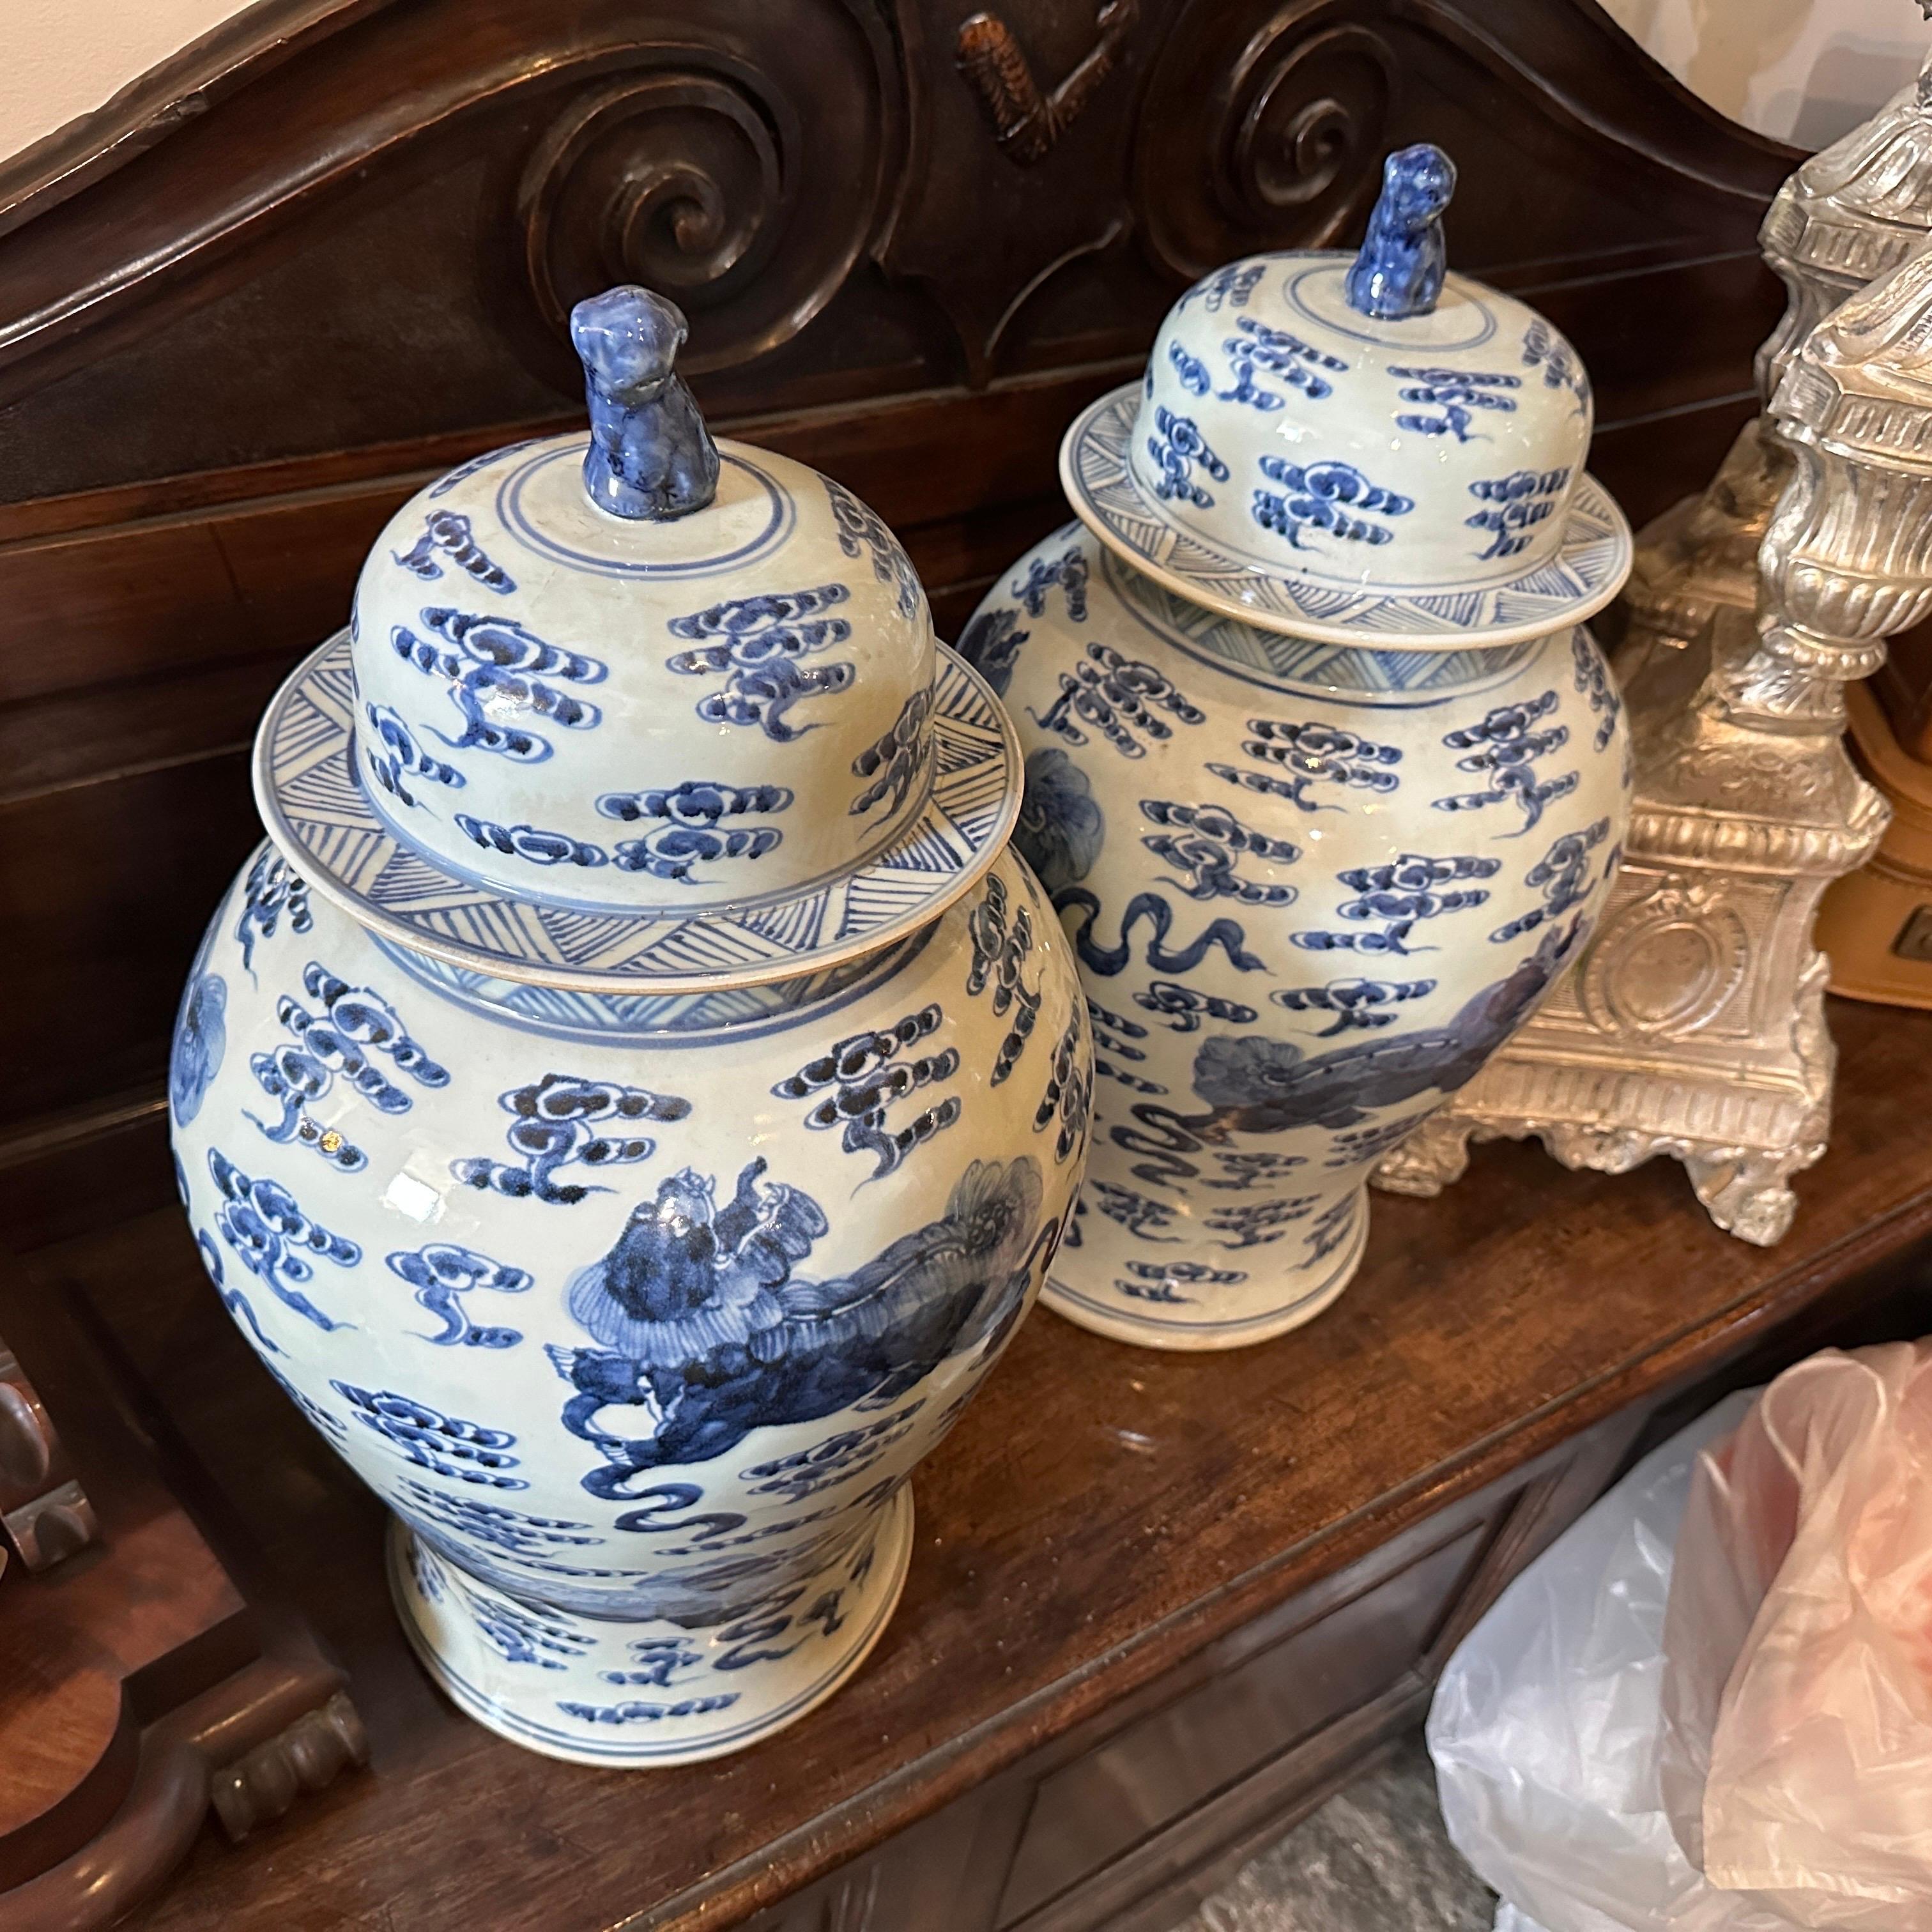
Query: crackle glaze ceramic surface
{"type": "Point", "coordinates": [1415, 474]}
{"type": "Point", "coordinates": [1315, 877]}
{"type": "Point", "coordinates": [633, 1240]}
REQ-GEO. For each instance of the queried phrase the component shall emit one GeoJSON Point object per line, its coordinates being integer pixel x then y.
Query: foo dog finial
{"type": "Point", "coordinates": [1399, 270]}
{"type": "Point", "coordinates": [651, 458]}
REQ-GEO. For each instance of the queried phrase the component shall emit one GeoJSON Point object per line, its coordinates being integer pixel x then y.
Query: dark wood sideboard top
{"type": "Point", "coordinates": [1100, 1515]}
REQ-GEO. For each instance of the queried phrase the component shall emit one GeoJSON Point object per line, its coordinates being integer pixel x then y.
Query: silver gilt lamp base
{"type": "Point", "coordinates": [1694, 1025]}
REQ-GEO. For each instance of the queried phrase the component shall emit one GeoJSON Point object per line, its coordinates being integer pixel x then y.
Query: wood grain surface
{"type": "Point", "coordinates": [1099, 1517]}
{"type": "Point", "coordinates": [251, 305]}
{"type": "Point", "coordinates": [136, 1672]}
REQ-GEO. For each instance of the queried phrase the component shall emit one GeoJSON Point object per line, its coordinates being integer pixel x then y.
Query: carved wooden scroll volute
{"type": "Point", "coordinates": [672, 178]}
{"type": "Point", "coordinates": [1265, 128]}
{"type": "Point", "coordinates": [687, 167]}
{"type": "Point", "coordinates": [1028, 122]}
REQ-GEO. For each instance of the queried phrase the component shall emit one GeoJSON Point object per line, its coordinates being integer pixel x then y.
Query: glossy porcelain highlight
{"type": "Point", "coordinates": [639, 1328]}
{"type": "Point", "coordinates": [562, 703]}
{"type": "Point", "coordinates": [632, 1102]}
{"type": "Point", "coordinates": [1325, 782]}
{"type": "Point", "coordinates": [1313, 887]}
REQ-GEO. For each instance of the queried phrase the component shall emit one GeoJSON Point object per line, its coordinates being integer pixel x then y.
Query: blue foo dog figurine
{"type": "Point", "coordinates": [650, 455]}
{"type": "Point", "coordinates": [632, 1098]}
{"type": "Point", "coordinates": [1324, 776]}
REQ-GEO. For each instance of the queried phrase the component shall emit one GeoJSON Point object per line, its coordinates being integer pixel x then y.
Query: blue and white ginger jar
{"type": "Point", "coordinates": [1324, 776]}
{"type": "Point", "coordinates": [632, 1098]}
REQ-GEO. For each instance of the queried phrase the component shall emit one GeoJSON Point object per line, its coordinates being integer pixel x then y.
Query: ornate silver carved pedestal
{"type": "Point", "coordinates": [1694, 1024]}
{"type": "Point", "coordinates": [1852, 213]}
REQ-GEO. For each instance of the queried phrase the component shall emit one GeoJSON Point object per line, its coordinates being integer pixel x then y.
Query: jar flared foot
{"type": "Point", "coordinates": [652, 1693]}
{"type": "Point", "coordinates": [1160, 1292]}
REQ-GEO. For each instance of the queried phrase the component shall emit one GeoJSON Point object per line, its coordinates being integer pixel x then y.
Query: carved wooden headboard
{"type": "Point", "coordinates": [247, 307]}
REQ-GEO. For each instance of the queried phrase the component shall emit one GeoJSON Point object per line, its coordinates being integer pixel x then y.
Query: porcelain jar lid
{"type": "Point", "coordinates": [1356, 448]}
{"type": "Point", "coordinates": [646, 708]}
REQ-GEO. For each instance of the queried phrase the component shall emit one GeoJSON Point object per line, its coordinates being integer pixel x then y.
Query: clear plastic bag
{"type": "Point", "coordinates": [1545, 1724]}
{"type": "Point", "coordinates": [1597, 1756]}
{"type": "Point", "coordinates": [1796, 1759]}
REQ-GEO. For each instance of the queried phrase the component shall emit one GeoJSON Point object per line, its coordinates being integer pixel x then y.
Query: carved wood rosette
{"type": "Point", "coordinates": [1694, 1025]}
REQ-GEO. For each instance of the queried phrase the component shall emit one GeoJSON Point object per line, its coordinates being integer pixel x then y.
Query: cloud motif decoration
{"type": "Point", "coordinates": [1061, 828]}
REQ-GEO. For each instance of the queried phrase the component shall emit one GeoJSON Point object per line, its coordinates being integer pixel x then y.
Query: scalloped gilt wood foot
{"type": "Point", "coordinates": [1694, 1024]}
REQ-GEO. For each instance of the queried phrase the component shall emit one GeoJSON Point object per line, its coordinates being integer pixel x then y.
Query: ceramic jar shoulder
{"type": "Point", "coordinates": [1313, 887]}
{"type": "Point", "coordinates": [638, 1305]}
{"type": "Point", "coordinates": [634, 1128]}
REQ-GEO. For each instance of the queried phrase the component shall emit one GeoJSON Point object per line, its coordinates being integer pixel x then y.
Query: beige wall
{"type": "Point", "coordinates": [1802, 69]}
{"type": "Point", "coordinates": [60, 58]}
